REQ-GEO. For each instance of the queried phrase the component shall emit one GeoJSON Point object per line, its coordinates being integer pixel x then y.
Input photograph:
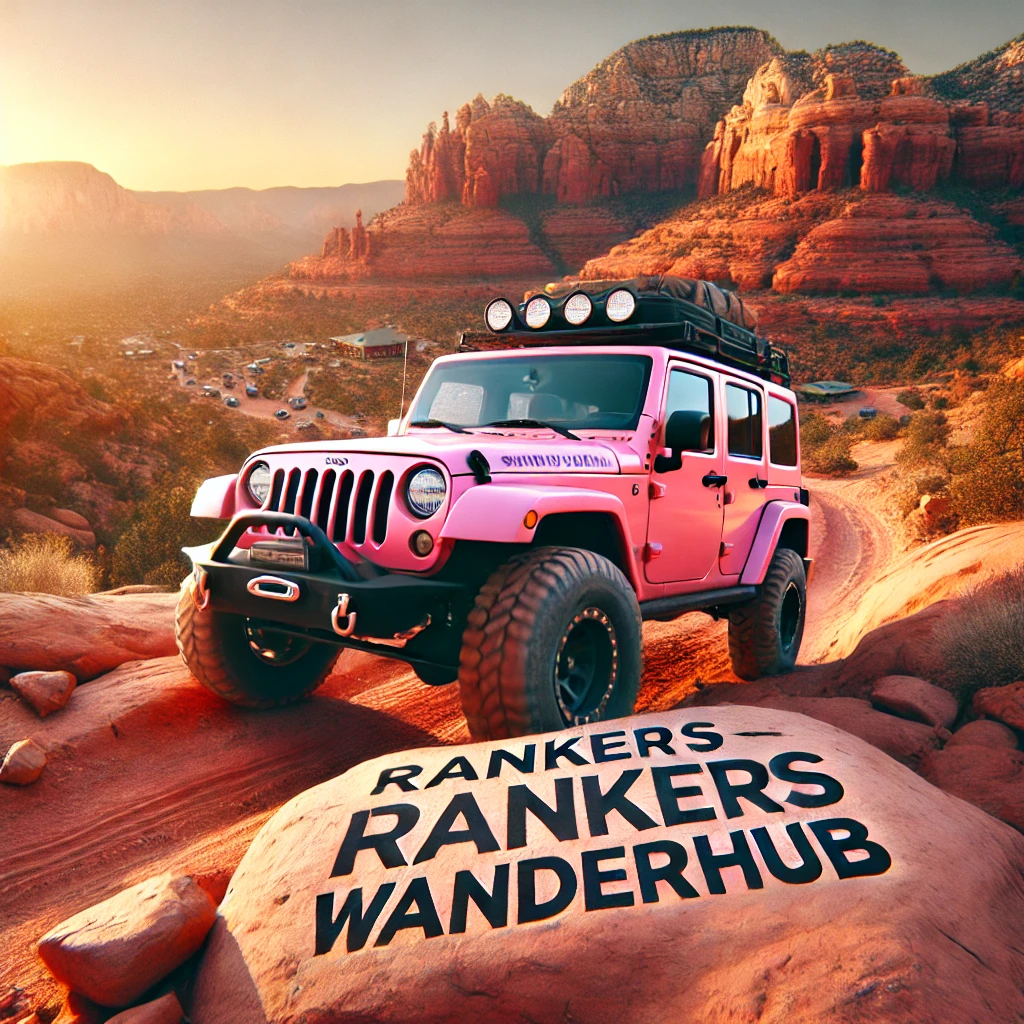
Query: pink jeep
{"type": "Point", "coordinates": [608, 453]}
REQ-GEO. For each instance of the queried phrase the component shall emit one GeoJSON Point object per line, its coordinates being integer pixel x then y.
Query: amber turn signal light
{"type": "Point", "coordinates": [421, 543]}
{"type": "Point", "coordinates": [530, 519]}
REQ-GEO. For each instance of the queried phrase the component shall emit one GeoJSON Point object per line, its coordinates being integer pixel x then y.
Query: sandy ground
{"type": "Point", "coordinates": [150, 773]}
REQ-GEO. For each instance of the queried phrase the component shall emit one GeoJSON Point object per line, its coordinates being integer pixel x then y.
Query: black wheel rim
{"type": "Point", "coordinates": [789, 616]}
{"type": "Point", "coordinates": [586, 667]}
{"type": "Point", "coordinates": [271, 646]}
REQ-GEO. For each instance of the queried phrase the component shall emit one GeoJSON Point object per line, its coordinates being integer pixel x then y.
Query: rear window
{"type": "Point", "coordinates": [781, 432]}
{"type": "Point", "coordinates": [745, 428]}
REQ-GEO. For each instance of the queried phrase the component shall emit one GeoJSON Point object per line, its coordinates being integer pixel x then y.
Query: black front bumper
{"type": "Point", "coordinates": [331, 602]}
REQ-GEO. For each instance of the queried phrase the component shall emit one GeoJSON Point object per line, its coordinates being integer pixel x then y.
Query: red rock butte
{"type": "Point", "coordinates": [813, 145]}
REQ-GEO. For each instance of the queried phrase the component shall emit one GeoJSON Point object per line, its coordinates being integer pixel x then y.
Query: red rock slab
{"type": "Point", "coordinates": [984, 733]}
{"type": "Point", "coordinates": [44, 692]}
{"type": "Point", "coordinates": [916, 699]}
{"type": "Point", "coordinates": [165, 1010]}
{"type": "Point", "coordinates": [991, 778]}
{"type": "Point", "coordinates": [84, 635]}
{"type": "Point", "coordinates": [909, 934]}
{"type": "Point", "coordinates": [23, 763]}
{"type": "Point", "coordinates": [1004, 703]}
{"type": "Point", "coordinates": [114, 951]}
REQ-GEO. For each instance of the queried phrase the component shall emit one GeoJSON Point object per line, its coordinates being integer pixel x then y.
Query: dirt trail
{"type": "Point", "coordinates": [149, 773]}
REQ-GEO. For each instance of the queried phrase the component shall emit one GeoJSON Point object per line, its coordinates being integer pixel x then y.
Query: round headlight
{"type": "Point", "coordinates": [538, 312]}
{"type": "Point", "coordinates": [259, 482]}
{"type": "Point", "coordinates": [620, 305]}
{"type": "Point", "coordinates": [498, 314]}
{"type": "Point", "coordinates": [425, 491]}
{"type": "Point", "coordinates": [577, 309]}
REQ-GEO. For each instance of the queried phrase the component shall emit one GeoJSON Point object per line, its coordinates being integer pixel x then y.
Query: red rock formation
{"type": "Point", "coordinates": [638, 122]}
{"type": "Point", "coordinates": [824, 121]}
{"type": "Point", "coordinates": [439, 242]}
{"type": "Point", "coordinates": [892, 244]}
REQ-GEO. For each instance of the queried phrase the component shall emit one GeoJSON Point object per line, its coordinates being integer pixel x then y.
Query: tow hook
{"type": "Point", "coordinates": [342, 612]}
{"type": "Point", "coordinates": [201, 594]}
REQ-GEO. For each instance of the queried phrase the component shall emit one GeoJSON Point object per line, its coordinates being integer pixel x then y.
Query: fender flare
{"type": "Point", "coordinates": [215, 498]}
{"type": "Point", "coordinates": [495, 512]}
{"type": "Point", "coordinates": [776, 515]}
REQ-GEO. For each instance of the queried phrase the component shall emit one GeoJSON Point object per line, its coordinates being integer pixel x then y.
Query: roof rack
{"type": "Point", "coordinates": [662, 317]}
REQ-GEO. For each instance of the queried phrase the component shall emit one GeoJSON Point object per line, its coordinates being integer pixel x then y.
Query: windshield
{"type": "Point", "coordinates": [591, 392]}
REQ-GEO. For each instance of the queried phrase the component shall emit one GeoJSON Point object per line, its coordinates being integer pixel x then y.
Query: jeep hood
{"type": "Point", "coordinates": [505, 454]}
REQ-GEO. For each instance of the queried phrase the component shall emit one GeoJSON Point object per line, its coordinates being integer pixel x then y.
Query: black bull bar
{"type": "Point", "coordinates": [331, 602]}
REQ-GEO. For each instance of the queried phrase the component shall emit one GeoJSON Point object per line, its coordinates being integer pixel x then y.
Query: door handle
{"type": "Point", "coordinates": [714, 480]}
{"type": "Point", "coordinates": [757, 482]}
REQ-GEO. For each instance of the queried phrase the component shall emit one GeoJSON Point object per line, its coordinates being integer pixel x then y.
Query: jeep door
{"type": "Point", "coordinates": [684, 527]}
{"type": "Point", "coordinates": [746, 469]}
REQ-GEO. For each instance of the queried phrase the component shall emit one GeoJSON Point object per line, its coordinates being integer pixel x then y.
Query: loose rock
{"type": "Point", "coordinates": [114, 951]}
{"type": "Point", "coordinates": [916, 699]}
{"type": "Point", "coordinates": [165, 1010]}
{"type": "Point", "coordinates": [45, 692]}
{"type": "Point", "coordinates": [23, 764]}
{"type": "Point", "coordinates": [990, 778]}
{"type": "Point", "coordinates": [1004, 703]}
{"type": "Point", "coordinates": [984, 733]}
{"type": "Point", "coordinates": [461, 883]}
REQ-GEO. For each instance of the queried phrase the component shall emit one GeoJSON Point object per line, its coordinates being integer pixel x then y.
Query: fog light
{"type": "Point", "coordinates": [530, 519]}
{"type": "Point", "coordinates": [421, 543]}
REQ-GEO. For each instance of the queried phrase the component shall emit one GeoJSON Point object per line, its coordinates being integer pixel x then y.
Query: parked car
{"type": "Point", "coordinates": [289, 344]}
{"type": "Point", "coordinates": [869, 412]}
{"type": "Point", "coordinates": [319, 415]}
{"type": "Point", "coordinates": [178, 364]}
{"type": "Point", "coordinates": [541, 501]}
{"type": "Point", "coordinates": [298, 402]}
{"type": "Point", "coordinates": [232, 402]}
{"type": "Point", "coordinates": [190, 381]}
{"type": "Point", "coordinates": [252, 391]}
{"type": "Point", "coordinates": [282, 414]}
{"type": "Point", "coordinates": [193, 355]}
{"type": "Point", "coordinates": [209, 392]}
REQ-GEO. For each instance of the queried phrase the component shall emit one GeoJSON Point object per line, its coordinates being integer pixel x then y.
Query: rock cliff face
{"type": "Point", "coordinates": [820, 242]}
{"type": "Point", "coordinates": [853, 116]}
{"type": "Point", "coordinates": [638, 122]}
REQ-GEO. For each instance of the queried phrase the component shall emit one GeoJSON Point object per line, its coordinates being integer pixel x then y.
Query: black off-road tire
{"type": "Point", "coordinates": [765, 635]}
{"type": "Point", "coordinates": [518, 628]}
{"type": "Point", "coordinates": [216, 650]}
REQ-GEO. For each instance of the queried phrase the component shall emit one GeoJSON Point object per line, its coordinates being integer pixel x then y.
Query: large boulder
{"type": "Point", "coordinates": [990, 777]}
{"type": "Point", "coordinates": [1003, 703]}
{"type": "Point", "coordinates": [114, 951]}
{"type": "Point", "coordinates": [983, 732]}
{"type": "Point", "coordinates": [23, 763]}
{"type": "Point", "coordinates": [916, 699]}
{"type": "Point", "coordinates": [723, 864]}
{"type": "Point", "coordinates": [84, 635]}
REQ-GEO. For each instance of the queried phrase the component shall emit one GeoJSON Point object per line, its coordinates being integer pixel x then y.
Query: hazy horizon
{"type": "Point", "coordinates": [191, 96]}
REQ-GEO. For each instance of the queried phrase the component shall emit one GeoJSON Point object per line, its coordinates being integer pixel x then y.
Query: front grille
{"type": "Point", "coordinates": [350, 507]}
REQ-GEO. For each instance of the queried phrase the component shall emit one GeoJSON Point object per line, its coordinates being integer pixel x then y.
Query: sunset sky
{"type": "Point", "coordinates": [190, 95]}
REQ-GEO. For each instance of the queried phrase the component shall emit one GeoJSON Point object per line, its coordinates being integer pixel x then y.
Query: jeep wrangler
{"type": "Point", "coordinates": [606, 452]}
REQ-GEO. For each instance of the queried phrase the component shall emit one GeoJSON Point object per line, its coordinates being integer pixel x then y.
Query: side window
{"type": "Point", "coordinates": [781, 432]}
{"type": "Point", "coordinates": [690, 392]}
{"type": "Point", "coordinates": [744, 409]}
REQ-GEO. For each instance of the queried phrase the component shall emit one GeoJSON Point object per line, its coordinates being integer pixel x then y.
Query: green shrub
{"type": "Point", "coordinates": [45, 563]}
{"type": "Point", "coordinates": [981, 644]}
{"type": "Point", "coordinates": [882, 428]}
{"type": "Point", "coordinates": [911, 398]}
{"type": "Point", "coordinates": [831, 458]}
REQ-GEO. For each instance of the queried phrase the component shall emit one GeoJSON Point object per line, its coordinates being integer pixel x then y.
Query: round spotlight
{"type": "Point", "coordinates": [421, 543]}
{"type": "Point", "coordinates": [259, 482]}
{"type": "Point", "coordinates": [578, 308]}
{"type": "Point", "coordinates": [620, 305]}
{"type": "Point", "coordinates": [538, 312]}
{"type": "Point", "coordinates": [498, 314]}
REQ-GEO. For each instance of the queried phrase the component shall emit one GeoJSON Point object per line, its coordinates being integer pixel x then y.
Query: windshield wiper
{"type": "Point", "coordinates": [454, 427]}
{"type": "Point", "coordinates": [535, 423]}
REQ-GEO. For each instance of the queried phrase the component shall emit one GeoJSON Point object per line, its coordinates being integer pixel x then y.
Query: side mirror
{"type": "Point", "coordinates": [686, 430]}
{"type": "Point", "coordinates": [393, 426]}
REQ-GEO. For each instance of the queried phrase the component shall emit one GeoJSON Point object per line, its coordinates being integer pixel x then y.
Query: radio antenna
{"type": "Point", "coordinates": [405, 366]}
